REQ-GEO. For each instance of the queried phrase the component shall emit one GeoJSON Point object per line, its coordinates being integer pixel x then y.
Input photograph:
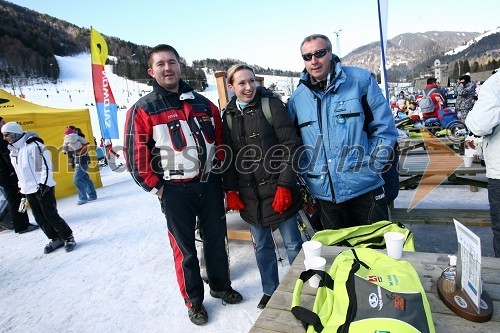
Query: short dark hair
{"type": "Point", "coordinates": [465, 77]}
{"type": "Point", "coordinates": [162, 48]}
{"type": "Point", "coordinates": [1, 118]}
{"type": "Point", "coordinates": [316, 36]}
{"type": "Point", "coordinates": [431, 80]}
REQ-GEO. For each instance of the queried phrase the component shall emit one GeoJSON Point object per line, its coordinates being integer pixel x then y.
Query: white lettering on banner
{"type": "Point", "coordinates": [106, 102]}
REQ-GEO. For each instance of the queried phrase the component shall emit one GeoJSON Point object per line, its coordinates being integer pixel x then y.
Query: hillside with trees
{"type": "Point", "coordinates": [29, 42]}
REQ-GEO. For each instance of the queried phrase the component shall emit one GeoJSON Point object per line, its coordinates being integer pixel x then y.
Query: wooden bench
{"type": "Point", "coordinates": [470, 217]}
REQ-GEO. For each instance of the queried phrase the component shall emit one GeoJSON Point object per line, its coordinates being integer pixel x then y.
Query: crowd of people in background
{"type": "Point", "coordinates": [460, 97]}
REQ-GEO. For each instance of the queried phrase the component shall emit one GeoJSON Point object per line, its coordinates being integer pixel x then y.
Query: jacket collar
{"type": "Point", "coordinates": [27, 138]}
{"type": "Point", "coordinates": [337, 76]}
{"type": "Point", "coordinates": [185, 91]}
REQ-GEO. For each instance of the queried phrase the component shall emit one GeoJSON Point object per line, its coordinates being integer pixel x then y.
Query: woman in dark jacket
{"type": "Point", "coordinates": [260, 180]}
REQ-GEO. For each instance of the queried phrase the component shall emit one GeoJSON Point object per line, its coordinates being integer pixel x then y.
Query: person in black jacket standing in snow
{"type": "Point", "coordinates": [9, 182]}
{"type": "Point", "coordinates": [261, 180]}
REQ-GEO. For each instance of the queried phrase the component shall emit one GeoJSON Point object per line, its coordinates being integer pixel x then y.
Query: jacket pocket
{"type": "Point", "coordinates": [207, 128]}
{"type": "Point", "coordinates": [349, 111]}
{"type": "Point", "coordinates": [176, 135]}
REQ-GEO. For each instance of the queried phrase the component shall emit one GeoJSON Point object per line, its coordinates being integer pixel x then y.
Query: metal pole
{"type": "Point", "coordinates": [337, 41]}
{"type": "Point", "coordinates": [276, 248]}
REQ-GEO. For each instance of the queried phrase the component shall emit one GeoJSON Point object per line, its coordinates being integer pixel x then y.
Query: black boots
{"type": "Point", "coordinates": [263, 301]}
{"type": "Point", "coordinates": [197, 314]}
{"type": "Point", "coordinates": [69, 243]}
{"type": "Point", "coordinates": [229, 296]}
{"type": "Point", "coordinates": [53, 245]}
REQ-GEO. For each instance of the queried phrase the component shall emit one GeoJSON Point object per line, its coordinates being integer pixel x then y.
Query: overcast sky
{"type": "Point", "coordinates": [267, 33]}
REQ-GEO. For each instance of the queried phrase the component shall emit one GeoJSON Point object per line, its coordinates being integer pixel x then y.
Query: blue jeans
{"type": "Point", "coordinates": [264, 251]}
{"type": "Point", "coordinates": [83, 183]}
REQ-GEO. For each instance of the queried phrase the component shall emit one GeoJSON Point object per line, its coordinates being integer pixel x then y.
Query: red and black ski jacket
{"type": "Point", "coordinates": [171, 137]}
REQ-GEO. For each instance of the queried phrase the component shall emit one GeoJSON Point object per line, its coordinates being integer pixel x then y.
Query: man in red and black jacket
{"type": "Point", "coordinates": [171, 141]}
{"type": "Point", "coordinates": [432, 90]}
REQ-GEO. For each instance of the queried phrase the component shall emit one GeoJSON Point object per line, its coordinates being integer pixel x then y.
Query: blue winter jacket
{"type": "Point", "coordinates": [348, 133]}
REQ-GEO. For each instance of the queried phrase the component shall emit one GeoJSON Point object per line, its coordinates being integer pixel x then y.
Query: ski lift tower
{"type": "Point", "coordinates": [337, 42]}
{"type": "Point", "coordinates": [440, 71]}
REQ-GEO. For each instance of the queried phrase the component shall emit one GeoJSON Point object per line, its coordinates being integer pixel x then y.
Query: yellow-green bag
{"type": "Point", "coordinates": [365, 291]}
{"type": "Point", "coordinates": [371, 236]}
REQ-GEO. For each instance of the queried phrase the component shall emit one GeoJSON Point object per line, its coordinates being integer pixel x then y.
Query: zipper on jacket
{"type": "Point", "coordinates": [253, 180]}
{"type": "Point", "coordinates": [318, 111]}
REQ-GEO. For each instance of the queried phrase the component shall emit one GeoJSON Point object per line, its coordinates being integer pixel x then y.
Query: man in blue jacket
{"type": "Point", "coordinates": [348, 134]}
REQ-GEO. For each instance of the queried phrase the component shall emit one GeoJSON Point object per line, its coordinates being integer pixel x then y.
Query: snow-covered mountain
{"type": "Point", "coordinates": [472, 41]}
{"type": "Point", "coordinates": [410, 53]}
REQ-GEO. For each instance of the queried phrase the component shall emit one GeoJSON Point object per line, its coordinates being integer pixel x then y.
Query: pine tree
{"type": "Point", "coordinates": [466, 67]}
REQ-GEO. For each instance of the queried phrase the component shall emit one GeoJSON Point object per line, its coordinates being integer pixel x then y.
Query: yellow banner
{"type": "Point", "coordinates": [98, 48]}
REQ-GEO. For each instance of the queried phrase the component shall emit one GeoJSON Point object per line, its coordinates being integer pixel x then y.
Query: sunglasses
{"type": "Point", "coordinates": [318, 54]}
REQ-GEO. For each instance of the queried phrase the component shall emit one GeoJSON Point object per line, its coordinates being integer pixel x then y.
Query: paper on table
{"type": "Point", "coordinates": [470, 255]}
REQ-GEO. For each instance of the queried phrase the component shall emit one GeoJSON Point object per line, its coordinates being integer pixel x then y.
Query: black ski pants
{"type": "Point", "coordinates": [181, 204]}
{"type": "Point", "coordinates": [494, 199]}
{"type": "Point", "coordinates": [44, 209]}
{"type": "Point", "coordinates": [366, 209]}
{"type": "Point", "coordinates": [20, 221]}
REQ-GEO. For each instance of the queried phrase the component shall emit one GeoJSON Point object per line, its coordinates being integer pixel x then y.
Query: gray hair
{"type": "Point", "coordinates": [316, 36]}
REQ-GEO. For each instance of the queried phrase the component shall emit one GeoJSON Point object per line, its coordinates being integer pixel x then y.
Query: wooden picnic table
{"type": "Point", "coordinates": [276, 317]}
{"type": "Point", "coordinates": [430, 144]}
{"type": "Point", "coordinates": [413, 167]}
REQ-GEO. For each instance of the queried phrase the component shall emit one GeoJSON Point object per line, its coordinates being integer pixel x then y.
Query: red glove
{"type": "Point", "coordinates": [233, 201]}
{"type": "Point", "coordinates": [282, 199]}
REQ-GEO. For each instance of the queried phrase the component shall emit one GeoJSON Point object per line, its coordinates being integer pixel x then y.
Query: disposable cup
{"type": "Point", "coordinates": [317, 263]}
{"type": "Point", "coordinates": [468, 161]}
{"type": "Point", "coordinates": [312, 248]}
{"type": "Point", "coordinates": [394, 243]}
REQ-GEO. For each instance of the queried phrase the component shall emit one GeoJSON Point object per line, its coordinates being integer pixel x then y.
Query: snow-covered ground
{"type": "Point", "coordinates": [120, 277]}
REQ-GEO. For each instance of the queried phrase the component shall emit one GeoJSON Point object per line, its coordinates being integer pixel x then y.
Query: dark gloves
{"type": "Point", "coordinates": [233, 201]}
{"type": "Point", "coordinates": [282, 199]}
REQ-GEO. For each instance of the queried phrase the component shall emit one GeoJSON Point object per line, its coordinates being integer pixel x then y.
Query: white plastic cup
{"type": "Point", "coordinates": [312, 248]}
{"type": "Point", "coordinates": [468, 161]}
{"type": "Point", "coordinates": [317, 263]}
{"type": "Point", "coordinates": [394, 243]}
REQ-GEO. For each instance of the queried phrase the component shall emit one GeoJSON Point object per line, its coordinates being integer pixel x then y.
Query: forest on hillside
{"type": "Point", "coordinates": [29, 42]}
